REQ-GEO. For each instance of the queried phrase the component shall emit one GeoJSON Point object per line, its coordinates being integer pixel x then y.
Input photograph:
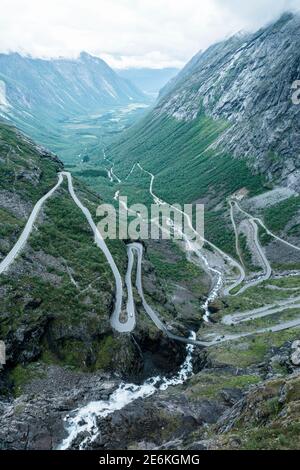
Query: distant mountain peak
{"type": "Point", "coordinates": [86, 57]}
{"type": "Point", "coordinates": [38, 94]}
{"type": "Point", "coordinates": [248, 82]}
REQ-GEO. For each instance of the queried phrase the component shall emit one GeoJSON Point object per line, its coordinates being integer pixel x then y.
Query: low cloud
{"type": "Point", "coordinates": [147, 33]}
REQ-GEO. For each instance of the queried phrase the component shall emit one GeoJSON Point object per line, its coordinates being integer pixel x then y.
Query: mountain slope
{"type": "Point", "coordinates": [247, 80]}
{"type": "Point", "coordinates": [39, 96]}
{"type": "Point", "coordinates": [226, 122]}
{"type": "Point", "coordinates": [63, 87]}
{"type": "Point", "coordinates": [43, 312]}
{"type": "Point", "coordinates": [148, 80]}
{"type": "Point", "coordinates": [59, 293]}
{"type": "Point", "coordinates": [246, 84]}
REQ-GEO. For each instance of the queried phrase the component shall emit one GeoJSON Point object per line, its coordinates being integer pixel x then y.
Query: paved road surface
{"type": "Point", "coordinates": [15, 251]}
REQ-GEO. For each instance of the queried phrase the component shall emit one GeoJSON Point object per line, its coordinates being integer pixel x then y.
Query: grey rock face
{"type": "Point", "coordinates": [38, 95]}
{"type": "Point", "coordinates": [247, 80]}
{"type": "Point", "coordinates": [35, 419]}
{"type": "Point", "coordinates": [62, 87]}
{"type": "Point", "coordinates": [295, 358]}
{"type": "Point", "coordinates": [14, 204]}
{"type": "Point", "coordinates": [154, 420]}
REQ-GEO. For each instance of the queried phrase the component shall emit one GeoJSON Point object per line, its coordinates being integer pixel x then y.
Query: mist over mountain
{"type": "Point", "coordinates": [226, 123]}
{"type": "Point", "coordinates": [69, 86]}
{"type": "Point", "coordinates": [148, 80]}
{"type": "Point", "coordinates": [247, 81]}
{"type": "Point", "coordinates": [147, 342]}
{"type": "Point", "coordinates": [38, 95]}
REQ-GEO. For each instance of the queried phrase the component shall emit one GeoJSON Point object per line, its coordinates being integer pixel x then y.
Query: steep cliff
{"type": "Point", "coordinates": [247, 80]}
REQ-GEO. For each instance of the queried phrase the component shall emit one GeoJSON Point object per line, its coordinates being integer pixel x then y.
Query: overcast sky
{"type": "Point", "coordinates": [127, 33]}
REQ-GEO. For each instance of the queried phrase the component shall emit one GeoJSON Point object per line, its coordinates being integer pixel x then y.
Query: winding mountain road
{"type": "Point", "coordinates": [197, 246]}
{"type": "Point", "coordinates": [237, 245]}
{"type": "Point", "coordinates": [110, 172]}
{"type": "Point", "coordinates": [258, 220]}
{"type": "Point", "coordinates": [215, 339]}
{"type": "Point", "coordinates": [218, 339]}
{"type": "Point", "coordinates": [15, 251]}
{"type": "Point", "coordinates": [237, 318]}
{"type": "Point", "coordinates": [253, 221]}
{"type": "Point", "coordinates": [136, 249]}
{"type": "Point", "coordinates": [264, 260]}
{"type": "Point", "coordinates": [115, 318]}
{"type": "Point", "coordinates": [261, 312]}
{"type": "Point", "coordinates": [123, 327]}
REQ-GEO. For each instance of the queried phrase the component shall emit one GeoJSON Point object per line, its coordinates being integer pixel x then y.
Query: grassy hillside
{"type": "Point", "coordinates": [178, 153]}
{"type": "Point", "coordinates": [186, 168]}
{"type": "Point", "coordinates": [58, 295]}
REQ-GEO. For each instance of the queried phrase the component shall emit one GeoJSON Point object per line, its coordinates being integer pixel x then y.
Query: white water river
{"type": "Point", "coordinates": [84, 420]}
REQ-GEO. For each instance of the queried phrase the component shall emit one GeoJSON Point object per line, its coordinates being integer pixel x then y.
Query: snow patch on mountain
{"type": "Point", "coordinates": [3, 98]}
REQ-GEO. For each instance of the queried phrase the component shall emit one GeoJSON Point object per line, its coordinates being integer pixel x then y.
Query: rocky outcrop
{"type": "Point", "coordinates": [155, 421]}
{"type": "Point", "coordinates": [62, 87]}
{"type": "Point", "coordinates": [267, 418]}
{"type": "Point", "coordinates": [247, 80]}
{"type": "Point", "coordinates": [35, 419]}
{"type": "Point", "coordinates": [219, 407]}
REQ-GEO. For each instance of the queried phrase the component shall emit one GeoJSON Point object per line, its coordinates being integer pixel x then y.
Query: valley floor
{"type": "Point", "coordinates": [239, 294]}
{"type": "Point", "coordinates": [279, 312]}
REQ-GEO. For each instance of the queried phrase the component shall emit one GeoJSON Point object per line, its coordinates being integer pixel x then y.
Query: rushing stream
{"type": "Point", "coordinates": [190, 247]}
{"type": "Point", "coordinates": [84, 420]}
